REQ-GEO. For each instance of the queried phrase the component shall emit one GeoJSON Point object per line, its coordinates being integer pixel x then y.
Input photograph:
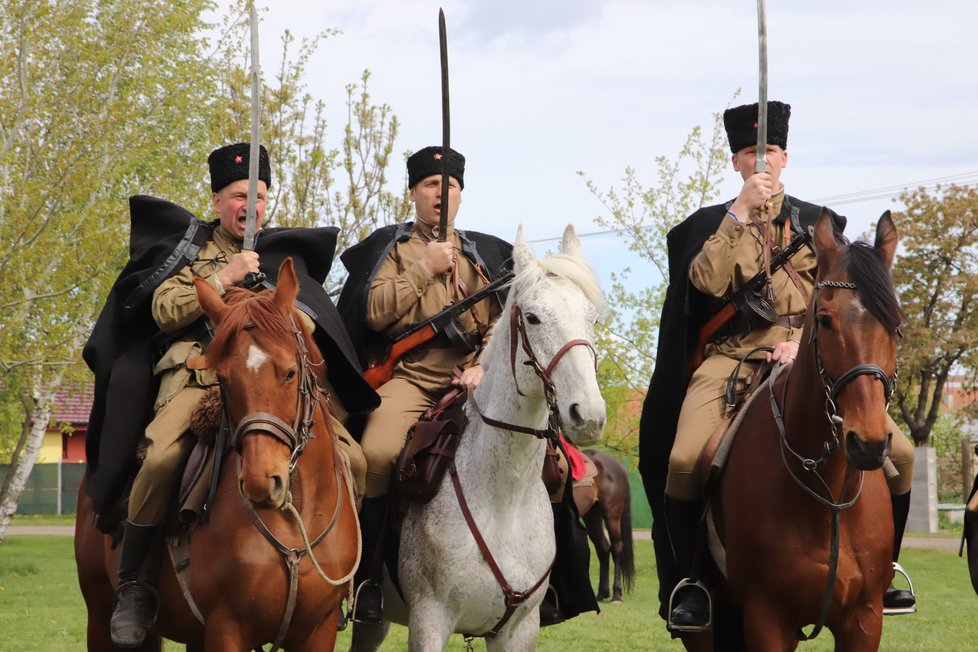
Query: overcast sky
{"type": "Point", "coordinates": [884, 94]}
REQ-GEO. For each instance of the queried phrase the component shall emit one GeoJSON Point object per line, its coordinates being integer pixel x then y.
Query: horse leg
{"type": "Point", "coordinates": [517, 636]}
{"type": "Point", "coordinates": [613, 522]}
{"type": "Point", "coordinates": [367, 637]}
{"type": "Point", "coordinates": [429, 625]}
{"type": "Point", "coordinates": [595, 531]}
{"type": "Point", "coordinates": [763, 630]}
{"type": "Point", "coordinates": [861, 629]}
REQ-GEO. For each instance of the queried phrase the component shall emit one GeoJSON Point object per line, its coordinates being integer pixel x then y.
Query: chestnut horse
{"type": "Point", "coordinates": [802, 515]}
{"type": "Point", "coordinates": [277, 555]}
{"type": "Point", "coordinates": [607, 505]}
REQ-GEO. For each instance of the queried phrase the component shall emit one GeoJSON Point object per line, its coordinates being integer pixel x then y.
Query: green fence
{"type": "Point", "coordinates": [51, 488]}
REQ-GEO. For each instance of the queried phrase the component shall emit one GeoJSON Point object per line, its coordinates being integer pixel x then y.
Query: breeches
{"type": "Point", "coordinates": [704, 409]}
{"type": "Point", "coordinates": [170, 444]}
{"type": "Point", "coordinates": [401, 404]}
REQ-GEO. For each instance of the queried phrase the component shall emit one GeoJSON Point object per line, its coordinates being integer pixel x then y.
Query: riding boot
{"type": "Point", "coordinates": [135, 609]}
{"type": "Point", "coordinates": [368, 601]}
{"type": "Point", "coordinates": [691, 602]}
{"type": "Point", "coordinates": [899, 601]}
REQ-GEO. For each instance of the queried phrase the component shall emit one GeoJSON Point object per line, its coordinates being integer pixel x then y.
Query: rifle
{"type": "Point", "coordinates": [427, 330]}
{"type": "Point", "coordinates": [737, 303]}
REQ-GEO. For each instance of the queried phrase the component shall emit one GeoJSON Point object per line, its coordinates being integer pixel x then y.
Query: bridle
{"type": "Point", "coordinates": [518, 335]}
{"type": "Point", "coordinates": [310, 398]}
{"type": "Point", "coordinates": [831, 387]}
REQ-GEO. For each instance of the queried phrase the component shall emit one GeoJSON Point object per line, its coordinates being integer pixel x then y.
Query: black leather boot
{"type": "Point", "coordinates": [899, 601]}
{"type": "Point", "coordinates": [368, 601]}
{"type": "Point", "coordinates": [136, 601]}
{"type": "Point", "coordinates": [691, 602]}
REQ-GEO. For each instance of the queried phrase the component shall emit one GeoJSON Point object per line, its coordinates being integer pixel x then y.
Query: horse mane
{"type": "Point", "coordinates": [874, 285]}
{"type": "Point", "coordinates": [571, 267]}
{"type": "Point", "coordinates": [257, 311]}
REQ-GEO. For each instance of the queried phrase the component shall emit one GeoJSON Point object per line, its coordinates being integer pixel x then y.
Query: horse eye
{"type": "Point", "coordinates": [532, 319]}
{"type": "Point", "coordinates": [290, 375]}
{"type": "Point", "coordinates": [824, 321]}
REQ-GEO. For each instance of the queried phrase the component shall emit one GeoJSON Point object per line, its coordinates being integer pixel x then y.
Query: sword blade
{"type": "Point", "coordinates": [761, 164]}
{"type": "Point", "coordinates": [253, 152]}
{"type": "Point", "coordinates": [446, 128]}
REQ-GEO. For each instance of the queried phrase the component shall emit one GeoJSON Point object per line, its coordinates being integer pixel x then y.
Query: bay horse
{"type": "Point", "coordinates": [607, 506]}
{"type": "Point", "coordinates": [476, 559]}
{"type": "Point", "coordinates": [802, 515]}
{"type": "Point", "coordinates": [277, 555]}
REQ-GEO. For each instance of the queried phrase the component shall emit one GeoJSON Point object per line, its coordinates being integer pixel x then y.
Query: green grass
{"type": "Point", "coordinates": [43, 519]}
{"type": "Point", "coordinates": [41, 608]}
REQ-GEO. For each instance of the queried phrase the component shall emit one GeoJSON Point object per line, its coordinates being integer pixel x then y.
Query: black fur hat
{"type": "Point", "coordinates": [230, 163]}
{"type": "Point", "coordinates": [741, 125]}
{"type": "Point", "coordinates": [426, 162]}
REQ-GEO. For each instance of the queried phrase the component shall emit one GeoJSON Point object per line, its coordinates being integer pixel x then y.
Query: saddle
{"type": "Point", "coordinates": [430, 448]}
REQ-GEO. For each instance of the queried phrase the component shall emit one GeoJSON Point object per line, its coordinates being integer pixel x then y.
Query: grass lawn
{"type": "Point", "coordinates": [41, 608]}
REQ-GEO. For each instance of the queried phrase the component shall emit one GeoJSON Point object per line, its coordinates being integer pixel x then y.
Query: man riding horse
{"type": "Point", "coordinates": [713, 254]}
{"type": "Point", "coordinates": [152, 324]}
{"type": "Point", "coordinates": [401, 276]}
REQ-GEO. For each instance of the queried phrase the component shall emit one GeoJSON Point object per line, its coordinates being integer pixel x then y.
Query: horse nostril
{"type": "Point", "coordinates": [575, 414]}
{"type": "Point", "coordinates": [278, 486]}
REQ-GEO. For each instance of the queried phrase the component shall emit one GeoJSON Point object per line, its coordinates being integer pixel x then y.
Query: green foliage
{"type": "Point", "coordinates": [642, 216]}
{"type": "Point", "coordinates": [936, 278]}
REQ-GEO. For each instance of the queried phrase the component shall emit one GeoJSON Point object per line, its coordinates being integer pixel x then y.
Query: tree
{"type": "Point", "coordinates": [936, 278]}
{"type": "Point", "coordinates": [89, 114]}
{"type": "Point", "coordinates": [642, 216]}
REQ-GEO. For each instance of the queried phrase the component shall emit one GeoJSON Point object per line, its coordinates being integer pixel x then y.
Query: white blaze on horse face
{"type": "Point", "coordinates": [256, 358]}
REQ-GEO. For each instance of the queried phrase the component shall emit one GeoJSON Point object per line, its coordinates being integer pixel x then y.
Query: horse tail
{"type": "Point", "coordinates": [627, 558]}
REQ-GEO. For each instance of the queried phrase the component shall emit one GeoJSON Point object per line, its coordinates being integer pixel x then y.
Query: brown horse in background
{"type": "Point", "coordinates": [284, 512]}
{"type": "Point", "coordinates": [802, 522]}
{"type": "Point", "coordinates": [610, 508]}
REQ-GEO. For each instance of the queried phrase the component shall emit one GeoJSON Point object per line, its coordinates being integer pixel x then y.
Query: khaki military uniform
{"type": "Point", "coordinates": [728, 260]}
{"type": "Point", "coordinates": [175, 307]}
{"type": "Point", "coordinates": [402, 295]}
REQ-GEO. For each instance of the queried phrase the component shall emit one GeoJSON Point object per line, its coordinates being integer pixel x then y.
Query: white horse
{"type": "Point", "coordinates": [448, 584]}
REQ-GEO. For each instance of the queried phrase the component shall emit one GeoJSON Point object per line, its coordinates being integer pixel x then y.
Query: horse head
{"type": "Point", "coordinates": [853, 326]}
{"type": "Point", "coordinates": [268, 365]}
{"type": "Point", "coordinates": [548, 323]}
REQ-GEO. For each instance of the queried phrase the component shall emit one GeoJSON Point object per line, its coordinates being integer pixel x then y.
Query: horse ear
{"type": "Point", "coordinates": [886, 238]}
{"type": "Point", "coordinates": [522, 254]}
{"type": "Point", "coordinates": [288, 285]}
{"type": "Point", "coordinates": [210, 301]}
{"type": "Point", "coordinates": [826, 245]}
{"type": "Point", "coordinates": [571, 244]}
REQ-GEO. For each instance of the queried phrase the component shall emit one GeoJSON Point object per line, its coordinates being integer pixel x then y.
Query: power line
{"type": "Point", "coordinates": [961, 179]}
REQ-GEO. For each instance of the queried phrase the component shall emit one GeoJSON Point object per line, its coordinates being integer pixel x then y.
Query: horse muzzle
{"type": "Point", "coordinates": [263, 475]}
{"type": "Point", "coordinates": [867, 456]}
{"type": "Point", "coordinates": [583, 424]}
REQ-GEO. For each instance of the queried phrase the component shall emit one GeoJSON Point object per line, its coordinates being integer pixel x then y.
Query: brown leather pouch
{"type": "Point", "coordinates": [430, 450]}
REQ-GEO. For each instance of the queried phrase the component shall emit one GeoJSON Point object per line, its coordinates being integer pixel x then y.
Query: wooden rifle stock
{"type": "Point", "coordinates": [382, 371]}
{"type": "Point", "coordinates": [706, 335]}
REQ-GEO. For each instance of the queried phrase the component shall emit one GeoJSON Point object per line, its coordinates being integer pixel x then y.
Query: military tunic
{"type": "Point", "coordinates": [401, 295]}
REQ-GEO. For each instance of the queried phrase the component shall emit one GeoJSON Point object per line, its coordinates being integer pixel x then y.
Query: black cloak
{"type": "Point", "coordinates": [684, 312]}
{"type": "Point", "coordinates": [120, 350]}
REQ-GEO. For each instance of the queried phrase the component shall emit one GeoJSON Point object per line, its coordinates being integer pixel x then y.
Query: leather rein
{"type": "Point", "coordinates": [310, 399]}
{"type": "Point", "coordinates": [514, 599]}
{"type": "Point", "coordinates": [831, 387]}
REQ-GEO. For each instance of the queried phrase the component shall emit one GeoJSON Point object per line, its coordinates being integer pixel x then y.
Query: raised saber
{"type": "Point", "coordinates": [446, 127]}
{"type": "Point", "coordinates": [253, 153]}
{"type": "Point", "coordinates": [761, 164]}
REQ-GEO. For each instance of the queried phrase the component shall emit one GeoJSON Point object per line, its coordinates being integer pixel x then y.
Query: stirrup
{"type": "Point", "coordinates": [899, 611]}
{"type": "Point", "coordinates": [355, 611]}
{"type": "Point", "coordinates": [684, 583]}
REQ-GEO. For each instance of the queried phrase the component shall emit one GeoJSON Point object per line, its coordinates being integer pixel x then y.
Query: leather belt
{"type": "Point", "coordinates": [740, 326]}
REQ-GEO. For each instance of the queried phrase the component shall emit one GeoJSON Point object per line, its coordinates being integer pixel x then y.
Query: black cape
{"type": "Point", "coordinates": [120, 351]}
{"type": "Point", "coordinates": [684, 312]}
{"type": "Point", "coordinates": [363, 260]}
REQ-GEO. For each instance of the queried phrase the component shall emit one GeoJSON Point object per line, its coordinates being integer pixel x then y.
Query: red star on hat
{"type": "Point", "coordinates": [437, 156]}
{"type": "Point", "coordinates": [755, 125]}
{"type": "Point", "coordinates": [240, 159]}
